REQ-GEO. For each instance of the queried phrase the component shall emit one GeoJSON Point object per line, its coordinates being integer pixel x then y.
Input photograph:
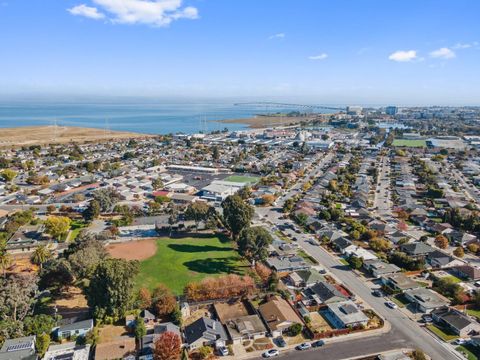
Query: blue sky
{"type": "Point", "coordinates": [342, 51]}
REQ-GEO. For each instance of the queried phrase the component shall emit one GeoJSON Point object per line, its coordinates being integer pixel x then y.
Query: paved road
{"type": "Point", "coordinates": [404, 332]}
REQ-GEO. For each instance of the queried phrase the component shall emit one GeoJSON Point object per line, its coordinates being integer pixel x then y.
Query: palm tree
{"type": "Point", "coordinates": [41, 255]}
{"type": "Point", "coordinates": [5, 261]}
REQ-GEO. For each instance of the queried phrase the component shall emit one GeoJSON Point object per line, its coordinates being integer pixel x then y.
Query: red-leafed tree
{"type": "Point", "coordinates": [167, 347]}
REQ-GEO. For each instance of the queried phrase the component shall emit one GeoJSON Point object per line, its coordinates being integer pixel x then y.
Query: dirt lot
{"type": "Point", "coordinates": [319, 323]}
{"type": "Point", "coordinates": [21, 265]}
{"type": "Point", "coordinates": [33, 135]}
{"type": "Point", "coordinates": [133, 250]}
{"type": "Point", "coordinates": [72, 303]}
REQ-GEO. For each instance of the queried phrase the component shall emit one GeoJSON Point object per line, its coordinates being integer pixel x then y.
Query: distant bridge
{"type": "Point", "coordinates": [285, 105]}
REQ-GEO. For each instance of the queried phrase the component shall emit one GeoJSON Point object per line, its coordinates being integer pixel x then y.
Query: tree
{"type": "Point", "coordinates": [8, 175]}
{"type": "Point", "coordinates": [288, 205]}
{"type": "Point", "coordinates": [380, 244]}
{"type": "Point", "coordinates": [168, 346]}
{"type": "Point", "coordinates": [441, 241]}
{"type": "Point", "coordinates": [355, 262]}
{"type": "Point", "coordinates": [41, 255]}
{"type": "Point", "coordinates": [57, 226]}
{"type": "Point", "coordinates": [140, 329]}
{"type": "Point", "coordinates": [5, 258]}
{"type": "Point", "coordinates": [157, 184]}
{"type": "Point", "coordinates": [38, 324]}
{"type": "Point", "coordinates": [471, 247]}
{"type": "Point", "coordinates": [295, 329]}
{"type": "Point", "coordinates": [55, 275]}
{"type": "Point", "coordinates": [197, 211]}
{"type": "Point", "coordinates": [237, 214]}
{"type": "Point", "coordinates": [110, 292]}
{"type": "Point", "coordinates": [163, 300]}
{"type": "Point", "coordinates": [253, 243]}
{"type": "Point", "coordinates": [419, 355]}
{"type": "Point", "coordinates": [176, 316]}
{"type": "Point", "coordinates": [107, 198]}
{"type": "Point", "coordinates": [144, 298]}
{"type": "Point", "coordinates": [215, 153]}
{"type": "Point", "coordinates": [85, 254]}
{"type": "Point", "coordinates": [204, 352]}
{"type": "Point", "coordinates": [92, 211]}
{"type": "Point", "coordinates": [459, 252]}
{"type": "Point", "coordinates": [17, 295]}
{"type": "Point", "coordinates": [42, 343]}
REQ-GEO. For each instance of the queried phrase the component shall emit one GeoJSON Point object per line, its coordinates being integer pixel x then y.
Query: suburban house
{"type": "Point", "coordinates": [305, 278]}
{"type": "Point", "coordinates": [426, 300]}
{"type": "Point", "coordinates": [467, 272]}
{"type": "Point", "coordinates": [455, 320]}
{"type": "Point", "coordinates": [439, 259]}
{"type": "Point", "coordinates": [346, 314]}
{"type": "Point", "coordinates": [246, 328]}
{"type": "Point", "coordinates": [68, 351]}
{"type": "Point", "coordinates": [287, 263]}
{"type": "Point", "coordinates": [379, 268]}
{"type": "Point", "coordinates": [399, 282]}
{"type": "Point", "coordinates": [148, 341]}
{"type": "Point", "coordinates": [416, 250]}
{"type": "Point", "coordinates": [19, 349]}
{"type": "Point", "coordinates": [323, 293]}
{"type": "Point", "coordinates": [74, 330]}
{"type": "Point", "coordinates": [205, 331]}
{"type": "Point", "coordinates": [279, 315]}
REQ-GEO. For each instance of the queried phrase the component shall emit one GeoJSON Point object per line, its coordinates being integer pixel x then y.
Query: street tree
{"type": "Point", "coordinates": [237, 214]}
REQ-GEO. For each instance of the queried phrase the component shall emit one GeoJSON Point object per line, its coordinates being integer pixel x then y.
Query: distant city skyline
{"type": "Point", "coordinates": [366, 52]}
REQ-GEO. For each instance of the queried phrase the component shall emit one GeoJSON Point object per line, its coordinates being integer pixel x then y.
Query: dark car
{"type": "Point", "coordinates": [377, 293]}
{"type": "Point", "coordinates": [318, 343]}
{"type": "Point", "coordinates": [280, 342]}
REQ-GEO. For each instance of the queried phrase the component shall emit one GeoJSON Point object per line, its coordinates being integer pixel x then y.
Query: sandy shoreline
{"type": "Point", "coordinates": [41, 135]}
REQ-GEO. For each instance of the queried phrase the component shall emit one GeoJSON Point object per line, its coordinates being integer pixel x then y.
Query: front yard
{"type": "Point", "coordinates": [442, 333]}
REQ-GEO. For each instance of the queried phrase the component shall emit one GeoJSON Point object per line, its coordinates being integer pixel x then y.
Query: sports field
{"type": "Point", "coordinates": [242, 179]}
{"type": "Point", "coordinates": [180, 261]}
{"type": "Point", "coordinates": [409, 143]}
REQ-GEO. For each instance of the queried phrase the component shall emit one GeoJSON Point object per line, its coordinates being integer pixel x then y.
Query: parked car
{"type": "Point", "coordinates": [271, 353]}
{"type": "Point", "coordinates": [223, 351]}
{"type": "Point", "coordinates": [391, 305]}
{"type": "Point", "coordinates": [304, 346]}
{"type": "Point", "coordinates": [377, 293]}
{"type": "Point", "coordinates": [461, 341]}
{"type": "Point", "coordinates": [280, 342]}
{"type": "Point", "coordinates": [427, 319]}
{"type": "Point", "coordinates": [318, 343]}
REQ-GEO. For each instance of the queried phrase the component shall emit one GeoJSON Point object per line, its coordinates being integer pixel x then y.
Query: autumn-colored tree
{"type": "Point", "coordinates": [220, 288]}
{"type": "Point", "coordinates": [473, 248]}
{"type": "Point", "coordinates": [459, 252]}
{"type": "Point", "coordinates": [380, 244]}
{"type": "Point", "coordinates": [144, 298]}
{"type": "Point", "coordinates": [167, 347]}
{"type": "Point", "coordinates": [262, 271]}
{"type": "Point", "coordinates": [441, 241]}
{"type": "Point", "coordinates": [57, 226]}
{"type": "Point", "coordinates": [268, 199]}
{"type": "Point", "coordinates": [163, 300]}
{"type": "Point", "coordinates": [402, 226]}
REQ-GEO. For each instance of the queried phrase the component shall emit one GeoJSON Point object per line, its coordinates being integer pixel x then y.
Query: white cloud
{"type": "Point", "coordinates": [87, 11]}
{"type": "Point", "coordinates": [322, 56]}
{"type": "Point", "coordinates": [277, 36]}
{"type": "Point", "coordinates": [147, 12]}
{"type": "Point", "coordinates": [403, 56]}
{"type": "Point", "coordinates": [465, 45]}
{"type": "Point", "coordinates": [443, 53]}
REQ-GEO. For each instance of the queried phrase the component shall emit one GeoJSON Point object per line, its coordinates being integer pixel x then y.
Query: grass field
{"type": "Point", "coordinates": [242, 179]}
{"type": "Point", "coordinates": [409, 143]}
{"type": "Point", "coordinates": [180, 261]}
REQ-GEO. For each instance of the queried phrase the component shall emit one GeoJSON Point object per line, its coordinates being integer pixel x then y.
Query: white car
{"type": "Point", "coordinates": [391, 305]}
{"type": "Point", "coordinates": [223, 351]}
{"type": "Point", "coordinates": [271, 353]}
{"type": "Point", "coordinates": [304, 346]}
{"type": "Point", "coordinates": [460, 341]}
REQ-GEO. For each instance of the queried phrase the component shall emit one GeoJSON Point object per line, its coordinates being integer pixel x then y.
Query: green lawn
{"type": "Point", "coordinates": [474, 312]}
{"type": "Point", "coordinates": [469, 350]}
{"type": "Point", "coordinates": [242, 179]}
{"type": "Point", "coordinates": [400, 300]}
{"type": "Point", "coordinates": [409, 143]}
{"type": "Point", "coordinates": [445, 336]}
{"type": "Point", "coordinates": [75, 228]}
{"type": "Point", "coordinates": [180, 261]}
{"type": "Point", "coordinates": [453, 279]}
